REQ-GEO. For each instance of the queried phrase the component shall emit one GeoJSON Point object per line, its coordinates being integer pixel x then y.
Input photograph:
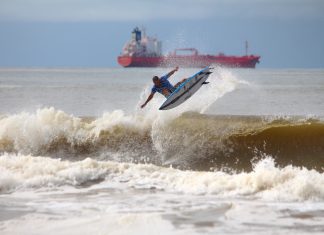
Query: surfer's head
{"type": "Point", "coordinates": [156, 80]}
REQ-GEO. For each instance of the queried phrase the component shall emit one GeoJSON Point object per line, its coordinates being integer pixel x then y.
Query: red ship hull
{"type": "Point", "coordinates": [190, 61]}
{"type": "Point", "coordinates": [128, 61]}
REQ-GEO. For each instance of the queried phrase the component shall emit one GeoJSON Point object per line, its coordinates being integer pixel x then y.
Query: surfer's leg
{"type": "Point", "coordinates": [182, 81]}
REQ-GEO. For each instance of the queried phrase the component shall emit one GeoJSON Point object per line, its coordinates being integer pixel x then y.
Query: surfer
{"type": "Point", "coordinates": [163, 86]}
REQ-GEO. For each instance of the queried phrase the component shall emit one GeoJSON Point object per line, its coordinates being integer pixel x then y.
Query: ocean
{"type": "Point", "coordinates": [244, 155]}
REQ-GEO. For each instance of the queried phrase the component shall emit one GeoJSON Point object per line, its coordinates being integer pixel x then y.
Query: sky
{"type": "Point", "coordinates": [91, 33]}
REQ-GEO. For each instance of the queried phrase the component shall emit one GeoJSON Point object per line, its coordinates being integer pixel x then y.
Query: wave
{"type": "Point", "coordinates": [183, 137]}
{"type": "Point", "coordinates": [191, 141]}
{"type": "Point", "coordinates": [203, 142]}
{"type": "Point", "coordinates": [184, 150]}
{"type": "Point", "coordinates": [19, 172]}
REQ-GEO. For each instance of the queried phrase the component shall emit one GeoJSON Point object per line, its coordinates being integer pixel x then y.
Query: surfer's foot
{"type": "Point", "coordinates": [204, 83]}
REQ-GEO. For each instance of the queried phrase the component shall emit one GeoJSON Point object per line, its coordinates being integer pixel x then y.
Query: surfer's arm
{"type": "Point", "coordinates": [172, 72]}
{"type": "Point", "coordinates": [148, 100]}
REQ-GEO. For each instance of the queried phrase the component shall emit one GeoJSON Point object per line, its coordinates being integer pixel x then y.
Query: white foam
{"type": "Point", "coordinates": [266, 181]}
{"type": "Point", "coordinates": [32, 132]}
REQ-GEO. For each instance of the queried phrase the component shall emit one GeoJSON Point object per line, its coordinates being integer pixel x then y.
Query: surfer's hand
{"type": "Point", "coordinates": [176, 68]}
{"type": "Point", "coordinates": [143, 105]}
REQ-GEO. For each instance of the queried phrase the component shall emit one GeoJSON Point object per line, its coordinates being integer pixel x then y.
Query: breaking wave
{"type": "Point", "coordinates": [19, 172]}
{"type": "Point", "coordinates": [191, 141]}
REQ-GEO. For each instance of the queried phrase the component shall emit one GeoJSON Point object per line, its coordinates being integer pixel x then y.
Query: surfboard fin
{"type": "Point", "coordinates": [204, 83]}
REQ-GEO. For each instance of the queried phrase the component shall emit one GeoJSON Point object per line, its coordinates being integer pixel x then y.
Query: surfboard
{"type": "Point", "coordinates": [186, 89]}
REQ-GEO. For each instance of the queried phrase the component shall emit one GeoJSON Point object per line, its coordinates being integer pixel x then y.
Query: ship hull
{"type": "Point", "coordinates": [189, 61]}
{"type": "Point", "coordinates": [128, 61]}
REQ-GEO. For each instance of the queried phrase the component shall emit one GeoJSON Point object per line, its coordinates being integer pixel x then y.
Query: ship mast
{"type": "Point", "coordinates": [246, 47]}
{"type": "Point", "coordinates": [143, 31]}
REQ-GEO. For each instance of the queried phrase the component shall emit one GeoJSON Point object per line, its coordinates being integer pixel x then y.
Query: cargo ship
{"type": "Point", "coordinates": [145, 51]}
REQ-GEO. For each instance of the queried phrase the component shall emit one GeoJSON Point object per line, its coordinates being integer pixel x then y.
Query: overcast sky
{"type": "Point", "coordinates": [81, 33]}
